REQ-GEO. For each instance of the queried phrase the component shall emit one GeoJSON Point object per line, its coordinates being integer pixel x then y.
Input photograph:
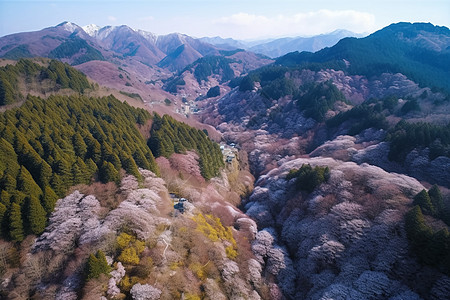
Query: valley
{"type": "Point", "coordinates": [305, 175]}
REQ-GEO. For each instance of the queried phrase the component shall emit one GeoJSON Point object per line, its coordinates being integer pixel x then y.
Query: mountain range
{"type": "Point", "coordinates": [278, 47]}
{"type": "Point", "coordinates": [173, 51]}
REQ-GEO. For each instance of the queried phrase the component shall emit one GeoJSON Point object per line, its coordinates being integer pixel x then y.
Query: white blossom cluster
{"type": "Point", "coordinates": [345, 240]}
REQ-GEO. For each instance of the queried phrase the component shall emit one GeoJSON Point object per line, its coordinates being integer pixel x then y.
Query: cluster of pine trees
{"type": "Point", "coordinates": [76, 45]}
{"type": "Point", "coordinates": [170, 136]}
{"type": "Point", "coordinates": [61, 74]}
{"type": "Point", "coordinates": [318, 98]}
{"type": "Point", "coordinates": [362, 117]}
{"type": "Point", "coordinates": [315, 99]}
{"type": "Point", "coordinates": [405, 137]}
{"type": "Point", "coordinates": [308, 178]}
{"type": "Point", "coordinates": [209, 65]}
{"type": "Point", "coordinates": [432, 247]}
{"type": "Point", "coordinates": [46, 146]}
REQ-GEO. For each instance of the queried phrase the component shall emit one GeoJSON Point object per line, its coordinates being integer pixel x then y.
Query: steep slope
{"type": "Point", "coordinates": [128, 42]}
{"type": "Point", "coordinates": [39, 77]}
{"type": "Point", "coordinates": [182, 50]}
{"type": "Point", "coordinates": [66, 41]}
{"type": "Point", "coordinates": [195, 80]}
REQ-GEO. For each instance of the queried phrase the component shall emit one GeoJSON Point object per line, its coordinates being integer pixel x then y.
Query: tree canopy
{"type": "Point", "coordinates": [170, 136]}
{"type": "Point", "coordinates": [46, 146]}
{"type": "Point", "coordinates": [61, 75]}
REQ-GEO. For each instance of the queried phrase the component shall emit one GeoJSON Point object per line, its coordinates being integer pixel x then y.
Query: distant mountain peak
{"type": "Point", "coordinates": [148, 35]}
{"type": "Point", "coordinates": [69, 26]}
{"type": "Point", "coordinates": [91, 29]}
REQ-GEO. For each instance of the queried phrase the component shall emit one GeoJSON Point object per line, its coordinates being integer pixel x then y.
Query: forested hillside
{"type": "Point", "coordinates": [50, 145]}
{"type": "Point", "coordinates": [170, 136]}
{"type": "Point", "coordinates": [56, 75]}
{"type": "Point", "coordinates": [419, 51]}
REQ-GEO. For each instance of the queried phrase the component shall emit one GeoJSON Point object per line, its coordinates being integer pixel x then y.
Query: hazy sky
{"type": "Point", "coordinates": [243, 19]}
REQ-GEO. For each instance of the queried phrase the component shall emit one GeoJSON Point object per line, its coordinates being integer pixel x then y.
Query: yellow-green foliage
{"type": "Point", "coordinates": [129, 256]}
{"type": "Point", "coordinates": [175, 265]}
{"type": "Point", "coordinates": [212, 228]}
{"type": "Point", "coordinates": [127, 283]}
{"type": "Point", "coordinates": [231, 251]}
{"type": "Point", "coordinates": [188, 296]}
{"type": "Point", "coordinates": [124, 240]}
{"type": "Point", "coordinates": [198, 270]}
{"type": "Point", "coordinates": [130, 248]}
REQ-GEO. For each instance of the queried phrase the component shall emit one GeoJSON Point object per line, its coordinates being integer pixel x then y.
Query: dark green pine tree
{"type": "Point", "coordinates": [2, 216]}
{"type": "Point", "coordinates": [129, 165]}
{"type": "Point", "coordinates": [437, 200]}
{"type": "Point", "coordinates": [49, 199]}
{"type": "Point", "coordinates": [45, 174]}
{"type": "Point", "coordinates": [152, 162]}
{"type": "Point", "coordinates": [417, 231]}
{"type": "Point", "coordinates": [8, 183]}
{"type": "Point", "coordinates": [108, 172]}
{"type": "Point", "coordinates": [94, 149]}
{"type": "Point", "coordinates": [36, 216]}
{"type": "Point", "coordinates": [8, 162]}
{"type": "Point", "coordinates": [140, 159]}
{"type": "Point", "coordinates": [5, 198]}
{"type": "Point", "coordinates": [79, 145]}
{"type": "Point", "coordinates": [96, 265]}
{"type": "Point", "coordinates": [63, 169]}
{"type": "Point", "coordinates": [92, 168]}
{"type": "Point", "coordinates": [109, 155]}
{"type": "Point", "coordinates": [80, 172]}
{"type": "Point", "coordinates": [437, 247]}
{"type": "Point", "coordinates": [423, 200]}
{"type": "Point", "coordinates": [16, 232]}
{"type": "Point", "coordinates": [26, 183]}
{"type": "Point", "coordinates": [57, 185]}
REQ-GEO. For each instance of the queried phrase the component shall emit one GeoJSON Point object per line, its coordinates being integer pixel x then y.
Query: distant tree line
{"type": "Point", "coordinates": [46, 146]}
{"type": "Point", "coordinates": [61, 74]}
{"type": "Point", "coordinates": [73, 46]}
{"type": "Point", "coordinates": [430, 246]}
{"type": "Point", "coordinates": [169, 136]}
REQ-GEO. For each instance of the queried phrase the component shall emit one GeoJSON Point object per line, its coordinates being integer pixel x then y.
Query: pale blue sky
{"type": "Point", "coordinates": [243, 19]}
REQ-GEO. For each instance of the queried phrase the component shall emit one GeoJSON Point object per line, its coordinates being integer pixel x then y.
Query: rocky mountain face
{"type": "Point", "coordinates": [66, 40]}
